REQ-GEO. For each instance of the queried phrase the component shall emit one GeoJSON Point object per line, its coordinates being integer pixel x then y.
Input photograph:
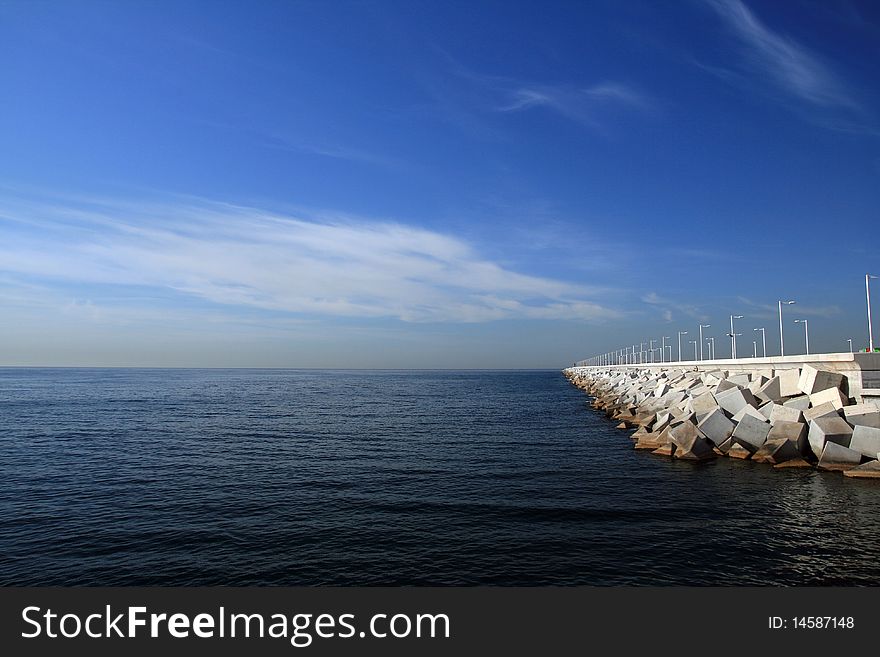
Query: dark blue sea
{"type": "Point", "coordinates": [290, 477]}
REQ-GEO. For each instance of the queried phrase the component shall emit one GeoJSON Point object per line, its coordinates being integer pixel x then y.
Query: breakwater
{"type": "Point", "coordinates": [784, 412]}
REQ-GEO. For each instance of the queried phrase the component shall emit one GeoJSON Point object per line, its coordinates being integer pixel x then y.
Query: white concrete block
{"type": "Point", "coordinates": [833, 395]}
{"type": "Point", "coordinates": [788, 382]}
{"type": "Point", "coordinates": [751, 433]}
{"type": "Point", "coordinates": [716, 426]}
{"type": "Point", "coordinates": [837, 457]}
{"type": "Point", "coordinates": [801, 402]}
{"type": "Point", "coordinates": [814, 380]}
{"type": "Point", "coordinates": [785, 414]}
{"type": "Point", "coordinates": [828, 429]}
{"type": "Point", "coordinates": [866, 415]}
{"type": "Point", "coordinates": [748, 410]}
{"type": "Point", "coordinates": [822, 410]}
{"type": "Point", "coordinates": [733, 400]}
{"type": "Point", "coordinates": [866, 441]}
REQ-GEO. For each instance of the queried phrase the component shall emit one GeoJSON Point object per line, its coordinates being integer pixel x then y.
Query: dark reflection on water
{"type": "Point", "coordinates": [315, 477]}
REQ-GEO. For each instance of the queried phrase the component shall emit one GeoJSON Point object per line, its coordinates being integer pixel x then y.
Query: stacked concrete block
{"type": "Point", "coordinates": [751, 433]}
{"type": "Point", "coordinates": [828, 428]}
{"type": "Point", "coordinates": [832, 395]}
{"type": "Point", "coordinates": [703, 404]}
{"type": "Point", "coordinates": [748, 410]}
{"type": "Point", "coordinates": [734, 399]}
{"type": "Point", "coordinates": [822, 410]}
{"type": "Point", "coordinates": [866, 415]}
{"type": "Point", "coordinates": [838, 457]}
{"type": "Point", "coordinates": [865, 440]}
{"type": "Point", "coordinates": [690, 444]}
{"type": "Point", "coordinates": [787, 418]}
{"type": "Point", "coordinates": [785, 414]}
{"type": "Point", "coordinates": [770, 390]}
{"type": "Point", "coordinates": [800, 402]}
{"type": "Point", "coordinates": [716, 426]}
{"type": "Point", "coordinates": [869, 470]}
{"type": "Point", "coordinates": [788, 382]}
{"type": "Point", "coordinates": [796, 432]}
{"type": "Point", "coordinates": [724, 385]}
{"type": "Point", "coordinates": [813, 380]}
{"type": "Point", "coordinates": [776, 450]}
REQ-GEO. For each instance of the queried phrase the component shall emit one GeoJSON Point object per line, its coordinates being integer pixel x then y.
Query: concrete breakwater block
{"type": "Point", "coordinates": [716, 426]}
{"type": "Point", "coordinates": [838, 457]}
{"type": "Point", "coordinates": [770, 390]}
{"type": "Point", "coordinates": [866, 415]}
{"type": "Point", "coordinates": [687, 414]}
{"type": "Point", "coordinates": [652, 440]}
{"type": "Point", "coordinates": [823, 410]}
{"type": "Point", "coordinates": [723, 385]}
{"type": "Point", "coordinates": [788, 382]}
{"type": "Point", "coordinates": [832, 395]}
{"type": "Point", "coordinates": [813, 380]}
{"type": "Point", "coordinates": [828, 429]}
{"type": "Point", "coordinates": [748, 410]}
{"type": "Point", "coordinates": [751, 433]}
{"type": "Point", "coordinates": [777, 450]}
{"type": "Point", "coordinates": [703, 404]}
{"type": "Point", "coordinates": [766, 409]}
{"type": "Point", "coordinates": [689, 443]}
{"type": "Point", "coordinates": [785, 414]}
{"type": "Point", "coordinates": [866, 441]}
{"type": "Point", "coordinates": [796, 432]}
{"type": "Point", "coordinates": [735, 399]}
{"type": "Point", "coordinates": [869, 470]}
{"type": "Point", "coordinates": [800, 402]}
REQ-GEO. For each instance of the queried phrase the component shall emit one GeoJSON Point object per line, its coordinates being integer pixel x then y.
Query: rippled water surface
{"type": "Point", "coordinates": [292, 477]}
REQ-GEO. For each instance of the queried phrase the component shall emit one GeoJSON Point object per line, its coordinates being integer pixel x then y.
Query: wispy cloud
{"type": "Point", "coordinates": [578, 104]}
{"type": "Point", "coordinates": [790, 65]}
{"type": "Point", "coordinates": [771, 310]}
{"type": "Point", "coordinates": [466, 95]}
{"type": "Point", "coordinates": [334, 151]}
{"type": "Point", "coordinates": [666, 306]}
{"type": "Point", "coordinates": [315, 265]}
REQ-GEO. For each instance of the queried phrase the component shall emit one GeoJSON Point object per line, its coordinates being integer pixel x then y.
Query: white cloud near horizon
{"type": "Point", "coordinates": [316, 266]}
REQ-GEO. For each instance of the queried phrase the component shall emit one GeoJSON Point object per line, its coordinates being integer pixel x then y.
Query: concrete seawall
{"type": "Point", "coordinates": [794, 411]}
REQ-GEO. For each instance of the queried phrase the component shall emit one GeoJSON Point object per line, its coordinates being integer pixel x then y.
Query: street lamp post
{"type": "Point", "coordinates": [781, 339]}
{"type": "Point", "coordinates": [663, 348]}
{"type": "Point", "coordinates": [711, 342]}
{"type": "Point", "coordinates": [763, 341]}
{"type": "Point", "coordinates": [868, 278]}
{"type": "Point", "coordinates": [806, 332]}
{"type": "Point", "coordinates": [850, 344]}
{"type": "Point", "coordinates": [733, 336]}
{"type": "Point", "coordinates": [694, 342]}
{"type": "Point", "coordinates": [702, 326]}
{"type": "Point", "coordinates": [754, 348]}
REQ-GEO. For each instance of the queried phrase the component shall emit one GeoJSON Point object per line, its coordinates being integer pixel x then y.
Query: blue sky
{"type": "Point", "coordinates": [430, 184]}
